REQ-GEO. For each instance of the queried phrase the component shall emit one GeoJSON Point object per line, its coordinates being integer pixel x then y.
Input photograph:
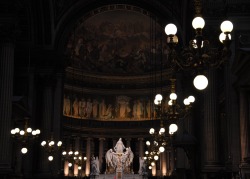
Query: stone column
{"type": "Point", "coordinates": [244, 126]}
{"type": "Point", "coordinates": [211, 159]}
{"type": "Point", "coordinates": [170, 159]}
{"type": "Point", "coordinates": [6, 93]}
{"type": "Point", "coordinates": [163, 163]}
{"type": "Point", "coordinates": [141, 147]}
{"type": "Point", "coordinates": [77, 148]}
{"type": "Point", "coordinates": [244, 133]}
{"type": "Point", "coordinates": [88, 148]}
{"type": "Point", "coordinates": [46, 125]}
{"type": "Point", "coordinates": [101, 153]}
{"type": "Point", "coordinates": [66, 170]}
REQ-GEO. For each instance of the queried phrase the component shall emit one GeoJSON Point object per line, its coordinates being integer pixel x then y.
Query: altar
{"type": "Point", "coordinates": [119, 164]}
{"type": "Point", "coordinates": [125, 176]}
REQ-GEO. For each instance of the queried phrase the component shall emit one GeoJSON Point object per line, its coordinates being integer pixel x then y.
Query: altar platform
{"type": "Point", "coordinates": [125, 176]}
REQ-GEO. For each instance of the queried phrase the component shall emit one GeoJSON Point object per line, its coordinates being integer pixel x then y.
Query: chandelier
{"type": "Point", "coordinates": [25, 136]}
{"type": "Point", "coordinates": [74, 158]}
{"type": "Point", "coordinates": [168, 115]}
{"type": "Point", "coordinates": [51, 148]}
{"type": "Point", "coordinates": [199, 55]}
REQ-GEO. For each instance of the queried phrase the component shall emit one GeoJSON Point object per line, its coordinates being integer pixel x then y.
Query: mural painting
{"type": "Point", "coordinates": [118, 108]}
{"type": "Point", "coordinates": [118, 42]}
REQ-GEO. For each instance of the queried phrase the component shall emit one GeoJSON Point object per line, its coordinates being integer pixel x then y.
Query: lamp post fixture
{"type": "Point", "coordinates": [25, 136]}
{"type": "Point", "coordinates": [51, 148]}
{"type": "Point", "coordinates": [199, 55]}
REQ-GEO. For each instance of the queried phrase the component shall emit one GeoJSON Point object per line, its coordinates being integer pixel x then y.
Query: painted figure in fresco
{"type": "Point", "coordinates": [139, 110]}
{"type": "Point", "coordinates": [95, 108]}
{"type": "Point", "coordinates": [149, 108]}
{"type": "Point", "coordinates": [67, 106]}
{"type": "Point", "coordinates": [119, 147]}
{"type": "Point", "coordinates": [75, 108]}
{"type": "Point", "coordinates": [124, 108]}
{"type": "Point", "coordinates": [89, 108]}
{"type": "Point", "coordinates": [102, 108]}
{"type": "Point", "coordinates": [108, 113]}
{"type": "Point", "coordinates": [134, 108]}
{"type": "Point", "coordinates": [82, 107]}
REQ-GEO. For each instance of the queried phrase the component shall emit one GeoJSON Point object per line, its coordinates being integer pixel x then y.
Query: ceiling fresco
{"type": "Point", "coordinates": [118, 42]}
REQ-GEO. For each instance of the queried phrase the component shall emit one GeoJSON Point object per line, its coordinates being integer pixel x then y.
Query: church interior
{"type": "Point", "coordinates": [89, 89]}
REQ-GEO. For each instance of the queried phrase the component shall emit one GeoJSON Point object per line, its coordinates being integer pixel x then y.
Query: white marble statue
{"type": "Point", "coordinates": [94, 166]}
{"type": "Point", "coordinates": [120, 159]}
{"type": "Point", "coordinates": [109, 158]}
{"type": "Point", "coordinates": [142, 168]}
{"type": "Point", "coordinates": [119, 147]}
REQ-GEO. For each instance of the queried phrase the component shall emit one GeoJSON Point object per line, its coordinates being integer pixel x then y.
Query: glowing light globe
{"type": "Point", "coordinates": [170, 29]}
{"type": "Point", "coordinates": [24, 150]}
{"type": "Point", "coordinates": [50, 158]}
{"type": "Point", "coordinates": [222, 37]}
{"type": "Point", "coordinates": [173, 128]}
{"type": "Point", "coordinates": [161, 149]}
{"type": "Point", "coordinates": [226, 26]}
{"type": "Point", "coordinates": [198, 23]}
{"type": "Point", "coordinates": [173, 96]}
{"type": "Point", "coordinates": [200, 82]}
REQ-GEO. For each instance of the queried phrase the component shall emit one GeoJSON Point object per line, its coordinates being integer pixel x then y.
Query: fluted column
{"type": "Point", "coordinates": [88, 150]}
{"type": "Point", "coordinates": [210, 122]}
{"type": "Point", "coordinates": [244, 126]}
{"type": "Point", "coordinates": [6, 93]}
{"type": "Point", "coordinates": [101, 153]}
{"type": "Point", "coordinates": [141, 147]}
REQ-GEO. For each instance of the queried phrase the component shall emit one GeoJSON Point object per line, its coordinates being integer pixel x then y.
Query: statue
{"type": "Point", "coordinates": [94, 166]}
{"type": "Point", "coordinates": [142, 169]}
{"type": "Point", "coordinates": [109, 157]}
{"type": "Point", "coordinates": [119, 147]}
{"type": "Point", "coordinates": [119, 161]}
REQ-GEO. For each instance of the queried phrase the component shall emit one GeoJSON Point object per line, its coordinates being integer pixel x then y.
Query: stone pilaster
{"type": "Point", "coordinates": [6, 93]}
{"type": "Point", "coordinates": [211, 148]}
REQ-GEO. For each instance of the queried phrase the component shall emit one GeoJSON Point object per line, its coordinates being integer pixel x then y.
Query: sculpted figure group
{"type": "Point", "coordinates": [120, 159]}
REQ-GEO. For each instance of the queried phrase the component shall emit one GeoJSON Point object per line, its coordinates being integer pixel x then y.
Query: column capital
{"type": "Point", "coordinates": [141, 139]}
{"type": "Point", "coordinates": [102, 139]}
